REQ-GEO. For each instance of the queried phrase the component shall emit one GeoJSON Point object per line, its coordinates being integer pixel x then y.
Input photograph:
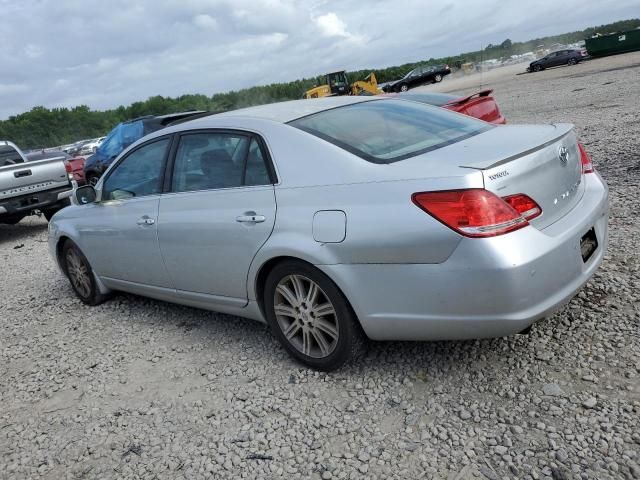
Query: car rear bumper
{"type": "Point", "coordinates": [35, 201]}
{"type": "Point", "coordinates": [488, 287]}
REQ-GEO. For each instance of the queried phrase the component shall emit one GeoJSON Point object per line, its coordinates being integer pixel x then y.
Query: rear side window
{"type": "Point", "coordinates": [9, 156]}
{"type": "Point", "coordinates": [386, 131]}
{"type": "Point", "coordinates": [212, 160]}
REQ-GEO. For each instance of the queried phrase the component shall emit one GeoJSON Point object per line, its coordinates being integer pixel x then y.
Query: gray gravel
{"type": "Point", "coordinates": [142, 389]}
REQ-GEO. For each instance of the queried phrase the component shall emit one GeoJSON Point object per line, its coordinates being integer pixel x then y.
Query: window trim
{"type": "Point", "coordinates": [170, 166]}
{"type": "Point", "coordinates": [163, 167]}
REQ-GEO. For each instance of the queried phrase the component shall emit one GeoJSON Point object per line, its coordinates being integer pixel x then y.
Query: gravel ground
{"type": "Point", "coordinates": [137, 388]}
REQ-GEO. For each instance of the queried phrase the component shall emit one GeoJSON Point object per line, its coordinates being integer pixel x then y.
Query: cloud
{"type": "Point", "coordinates": [105, 54]}
{"type": "Point", "coordinates": [204, 21]}
{"type": "Point", "coordinates": [331, 26]}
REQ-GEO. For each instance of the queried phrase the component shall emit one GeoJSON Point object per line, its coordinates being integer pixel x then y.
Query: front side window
{"type": "Point", "coordinates": [386, 131]}
{"type": "Point", "coordinates": [139, 174]}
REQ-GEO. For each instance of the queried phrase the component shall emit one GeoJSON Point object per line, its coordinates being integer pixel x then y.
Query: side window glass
{"type": "Point", "coordinates": [139, 174]}
{"type": "Point", "coordinates": [256, 172]}
{"type": "Point", "coordinates": [206, 161]}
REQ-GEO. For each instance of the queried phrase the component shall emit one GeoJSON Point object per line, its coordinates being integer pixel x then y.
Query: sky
{"type": "Point", "coordinates": [106, 53]}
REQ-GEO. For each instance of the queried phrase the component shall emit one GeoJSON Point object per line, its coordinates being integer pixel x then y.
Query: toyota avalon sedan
{"type": "Point", "coordinates": [341, 219]}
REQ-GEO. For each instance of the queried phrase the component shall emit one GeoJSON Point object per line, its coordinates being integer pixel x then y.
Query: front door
{"type": "Point", "coordinates": [220, 210]}
{"type": "Point", "coordinates": [121, 236]}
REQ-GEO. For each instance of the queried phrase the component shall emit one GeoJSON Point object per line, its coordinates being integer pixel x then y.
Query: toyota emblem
{"type": "Point", "coordinates": [563, 155]}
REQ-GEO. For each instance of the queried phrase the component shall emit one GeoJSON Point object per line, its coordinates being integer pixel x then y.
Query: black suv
{"type": "Point", "coordinates": [124, 134]}
{"type": "Point", "coordinates": [560, 57]}
{"type": "Point", "coordinates": [418, 76]}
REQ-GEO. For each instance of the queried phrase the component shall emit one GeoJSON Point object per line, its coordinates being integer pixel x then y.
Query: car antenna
{"type": "Point", "coordinates": [481, 65]}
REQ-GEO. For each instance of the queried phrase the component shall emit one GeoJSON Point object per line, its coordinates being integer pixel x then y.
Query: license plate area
{"type": "Point", "coordinates": [588, 244]}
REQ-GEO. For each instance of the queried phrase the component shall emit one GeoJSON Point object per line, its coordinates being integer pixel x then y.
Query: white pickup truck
{"type": "Point", "coordinates": [41, 186]}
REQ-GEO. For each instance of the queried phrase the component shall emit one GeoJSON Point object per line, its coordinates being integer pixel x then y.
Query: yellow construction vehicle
{"type": "Point", "coordinates": [368, 86]}
{"type": "Point", "coordinates": [337, 84]}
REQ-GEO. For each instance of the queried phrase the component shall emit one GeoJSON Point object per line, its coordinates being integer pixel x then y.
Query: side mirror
{"type": "Point", "coordinates": [85, 195]}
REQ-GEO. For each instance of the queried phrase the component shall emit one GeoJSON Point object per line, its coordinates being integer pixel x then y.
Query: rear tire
{"type": "Point", "coordinates": [438, 78]}
{"type": "Point", "coordinates": [571, 62]}
{"type": "Point", "coordinates": [310, 316]}
{"type": "Point", "coordinates": [80, 275]}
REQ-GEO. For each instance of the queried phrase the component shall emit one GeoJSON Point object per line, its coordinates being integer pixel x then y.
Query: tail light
{"type": "Point", "coordinates": [69, 169]}
{"type": "Point", "coordinates": [472, 213]}
{"type": "Point", "coordinates": [587, 166]}
{"type": "Point", "coordinates": [524, 205]}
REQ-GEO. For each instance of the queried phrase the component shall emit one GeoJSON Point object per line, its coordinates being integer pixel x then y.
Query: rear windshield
{"type": "Point", "coordinates": [9, 156]}
{"type": "Point", "coordinates": [386, 131]}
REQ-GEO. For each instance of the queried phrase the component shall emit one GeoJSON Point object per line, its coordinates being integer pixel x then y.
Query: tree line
{"type": "Point", "coordinates": [43, 127]}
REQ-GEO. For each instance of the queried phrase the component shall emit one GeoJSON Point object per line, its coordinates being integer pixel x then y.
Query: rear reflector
{"type": "Point", "coordinates": [472, 213]}
{"type": "Point", "coordinates": [524, 205]}
{"type": "Point", "coordinates": [587, 166]}
{"type": "Point", "coordinates": [68, 167]}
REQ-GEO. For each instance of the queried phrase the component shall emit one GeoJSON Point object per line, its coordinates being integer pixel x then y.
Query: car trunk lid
{"type": "Point", "coordinates": [540, 162]}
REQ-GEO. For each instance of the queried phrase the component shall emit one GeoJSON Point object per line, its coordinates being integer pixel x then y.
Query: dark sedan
{"type": "Point", "coordinates": [418, 76]}
{"type": "Point", "coordinates": [560, 57]}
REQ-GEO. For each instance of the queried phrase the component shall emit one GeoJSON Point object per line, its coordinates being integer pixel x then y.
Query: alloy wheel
{"type": "Point", "coordinates": [78, 273]}
{"type": "Point", "coordinates": [306, 316]}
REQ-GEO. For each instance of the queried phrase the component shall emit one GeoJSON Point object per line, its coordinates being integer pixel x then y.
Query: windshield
{"type": "Point", "coordinates": [120, 138]}
{"type": "Point", "coordinates": [387, 131]}
{"type": "Point", "coordinates": [410, 73]}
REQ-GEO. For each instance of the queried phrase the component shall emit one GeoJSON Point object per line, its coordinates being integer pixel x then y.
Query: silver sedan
{"type": "Point", "coordinates": [338, 219]}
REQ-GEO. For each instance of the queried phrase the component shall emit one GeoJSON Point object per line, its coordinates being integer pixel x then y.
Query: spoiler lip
{"type": "Point", "coordinates": [482, 93]}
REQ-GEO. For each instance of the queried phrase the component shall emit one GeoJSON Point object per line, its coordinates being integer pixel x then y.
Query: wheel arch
{"type": "Point", "coordinates": [59, 248]}
{"type": "Point", "coordinates": [267, 266]}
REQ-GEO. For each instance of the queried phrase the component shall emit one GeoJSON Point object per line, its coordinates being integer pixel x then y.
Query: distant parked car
{"type": "Point", "coordinates": [479, 105]}
{"type": "Point", "coordinates": [29, 186]}
{"type": "Point", "coordinates": [91, 146]}
{"type": "Point", "coordinates": [75, 164]}
{"type": "Point", "coordinates": [560, 57]}
{"type": "Point", "coordinates": [123, 135]}
{"type": "Point", "coordinates": [418, 76]}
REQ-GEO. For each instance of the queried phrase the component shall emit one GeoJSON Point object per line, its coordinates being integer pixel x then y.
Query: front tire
{"type": "Point", "coordinates": [80, 274]}
{"type": "Point", "coordinates": [537, 68]}
{"type": "Point", "coordinates": [403, 88]}
{"type": "Point", "coordinates": [310, 316]}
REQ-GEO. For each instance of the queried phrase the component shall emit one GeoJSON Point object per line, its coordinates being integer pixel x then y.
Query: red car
{"type": "Point", "coordinates": [479, 105]}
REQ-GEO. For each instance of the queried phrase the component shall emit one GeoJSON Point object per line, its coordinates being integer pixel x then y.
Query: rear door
{"type": "Point", "coordinates": [219, 211]}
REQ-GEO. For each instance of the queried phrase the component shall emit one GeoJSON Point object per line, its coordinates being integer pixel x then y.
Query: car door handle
{"type": "Point", "coordinates": [145, 221]}
{"type": "Point", "coordinates": [250, 218]}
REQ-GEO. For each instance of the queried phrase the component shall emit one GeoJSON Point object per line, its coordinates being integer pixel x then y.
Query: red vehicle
{"type": "Point", "coordinates": [479, 105]}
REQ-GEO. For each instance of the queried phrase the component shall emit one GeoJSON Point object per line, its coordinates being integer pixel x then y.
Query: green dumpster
{"type": "Point", "coordinates": [613, 43]}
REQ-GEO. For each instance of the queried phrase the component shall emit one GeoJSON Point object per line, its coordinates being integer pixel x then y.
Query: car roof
{"type": "Point", "coordinates": [284, 112]}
